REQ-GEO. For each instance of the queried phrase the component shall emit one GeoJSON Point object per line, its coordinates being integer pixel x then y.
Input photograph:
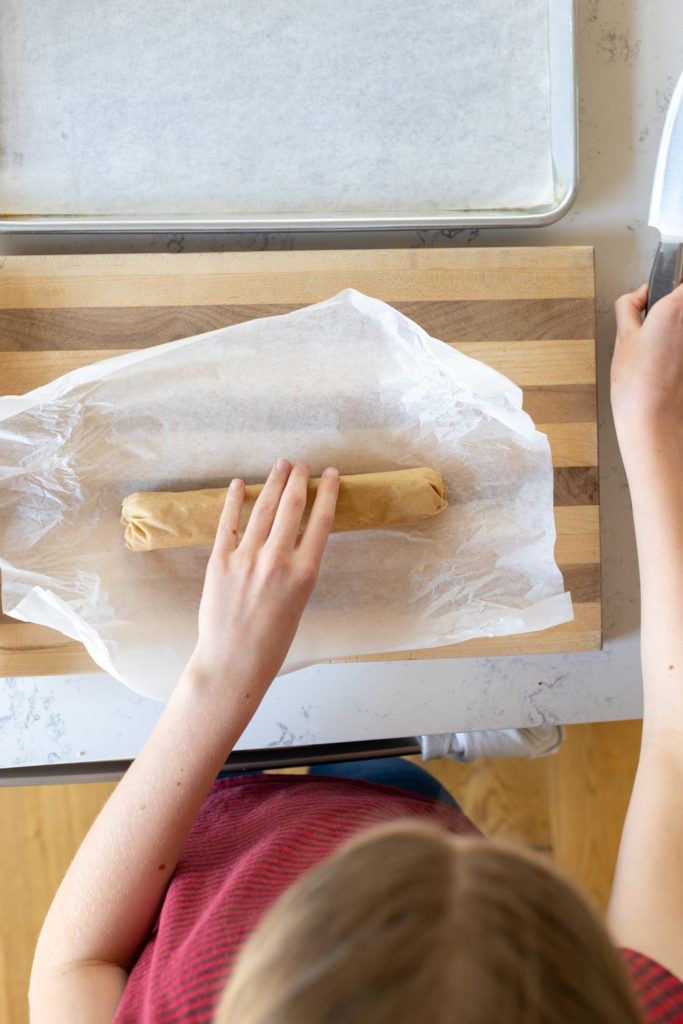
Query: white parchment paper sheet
{"type": "Point", "coordinates": [348, 382]}
{"type": "Point", "coordinates": [282, 106]}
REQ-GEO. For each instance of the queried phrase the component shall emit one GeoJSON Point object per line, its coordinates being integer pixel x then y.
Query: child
{"type": "Point", "coordinates": [371, 902]}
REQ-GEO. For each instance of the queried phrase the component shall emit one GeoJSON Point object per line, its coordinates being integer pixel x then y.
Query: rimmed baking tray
{"type": "Point", "coordinates": [176, 115]}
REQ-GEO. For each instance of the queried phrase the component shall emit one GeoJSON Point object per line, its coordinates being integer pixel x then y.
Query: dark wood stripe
{"type": "Point", "coordinates": [576, 485]}
{"type": "Point", "coordinates": [140, 326]}
{"type": "Point", "coordinates": [504, 319]}
{"type": "Point", "coordinates": [561, 403]}
{"type": "Point", "coordinates": [114, 327]}
{"type": "Point", "coordinates": [583, 582]}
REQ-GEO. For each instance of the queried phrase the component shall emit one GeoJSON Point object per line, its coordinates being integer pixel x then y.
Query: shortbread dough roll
{"type": "Point", "coordinates": [367, 501]}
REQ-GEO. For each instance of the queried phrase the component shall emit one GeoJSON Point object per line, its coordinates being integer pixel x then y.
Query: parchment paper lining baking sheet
{"type": "Point", "coordinates": [347, 382]}
{"type": "Point", "coordinates": [171, 107]}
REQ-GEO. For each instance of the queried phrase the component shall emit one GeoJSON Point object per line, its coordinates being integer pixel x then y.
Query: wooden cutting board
{"type": "Point", "coordinates": [528, 312]}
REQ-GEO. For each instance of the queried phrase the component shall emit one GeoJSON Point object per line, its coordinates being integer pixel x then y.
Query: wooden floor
{"type": "Point", "coordinates": [571, 805]}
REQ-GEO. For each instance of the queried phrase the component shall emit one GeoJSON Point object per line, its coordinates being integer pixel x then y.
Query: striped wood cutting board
{"type": "Point", "coordinates": [528, 312]}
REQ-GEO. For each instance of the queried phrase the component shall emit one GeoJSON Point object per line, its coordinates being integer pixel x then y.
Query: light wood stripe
{"type": "Point", "coordinates": [572, 444]}
{"type": "Point", "coordinates": [577, 543]}
{"type": "Point", "coordinates": [543, 363]}
{"type": "Point", "coordinates": [30, 370]}
{"type": "Point", "coordinates": [565, 403]}
{"type": "Point", "coordinates": [578, 535]}
{"type": "Point", "coordinates": [583, 634]}
{"type": "Point", "coordinates": [28, 650]}
{"type": "Point", "coordinates": [193, 279]}
{"type": "Point", "coordinates": [565, 361]}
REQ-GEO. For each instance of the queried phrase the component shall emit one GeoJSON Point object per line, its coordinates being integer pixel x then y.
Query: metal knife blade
{"type": "Point", "coordinates": [666, 204]}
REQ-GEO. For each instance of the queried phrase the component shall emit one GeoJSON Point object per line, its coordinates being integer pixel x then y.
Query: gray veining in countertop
{"type": "Point", "coordinates": [629, 61]}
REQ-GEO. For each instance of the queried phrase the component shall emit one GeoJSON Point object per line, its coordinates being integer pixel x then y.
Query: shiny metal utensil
{"type": "Point", "coordinates": [666, 204]}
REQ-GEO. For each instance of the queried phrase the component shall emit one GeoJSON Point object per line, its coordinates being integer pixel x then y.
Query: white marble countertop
{"type": "Point", "coordinates": [629, 61]}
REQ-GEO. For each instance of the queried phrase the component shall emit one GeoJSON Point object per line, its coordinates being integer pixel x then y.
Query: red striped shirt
{"type": "Point", "coordinates": [251, 839]}
{"type": "Point", "coordinates": [659, 992]}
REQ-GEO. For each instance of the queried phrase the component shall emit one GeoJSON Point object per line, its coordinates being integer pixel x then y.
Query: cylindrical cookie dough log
{"type": "Point", "coordinates": [367, 501]}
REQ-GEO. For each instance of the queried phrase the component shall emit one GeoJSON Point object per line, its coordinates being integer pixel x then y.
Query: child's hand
{"type": "Point", "coordinates": [255, 591]}
{"type": "Point", "coordinates": [647, 381]}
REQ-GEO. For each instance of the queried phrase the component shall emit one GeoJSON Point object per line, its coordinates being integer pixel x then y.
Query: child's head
{"type": "Point", "coordinates": [407, 923]}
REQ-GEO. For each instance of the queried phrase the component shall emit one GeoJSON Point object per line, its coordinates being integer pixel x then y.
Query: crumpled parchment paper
{"type": "Point", "coordinates": [348, 382]}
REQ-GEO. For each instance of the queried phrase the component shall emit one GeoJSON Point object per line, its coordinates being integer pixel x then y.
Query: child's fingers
{"type": "Point", "coordinates": [226, 535]}
{"type": "Point", "coordinates": [266, 505]}
{"type": "Point", "coordinates": [629, 308]}
{"type": "Point", "coordinates": [290, 511]}
{"type": "Point", "coordinates": [321, 518]}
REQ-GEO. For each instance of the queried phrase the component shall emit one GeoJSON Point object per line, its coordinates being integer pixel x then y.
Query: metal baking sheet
{"type": "Point", "coordinates": [176, 114]}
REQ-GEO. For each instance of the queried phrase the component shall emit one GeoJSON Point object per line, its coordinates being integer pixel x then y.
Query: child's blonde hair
{"type": "Point", "coordinates": [407, 923]}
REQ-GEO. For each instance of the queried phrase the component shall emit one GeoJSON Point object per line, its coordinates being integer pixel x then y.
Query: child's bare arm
{"type": "Point", "coordinates": [646, 908]}
{"type": "Point", "coordinates": [254, 595]}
